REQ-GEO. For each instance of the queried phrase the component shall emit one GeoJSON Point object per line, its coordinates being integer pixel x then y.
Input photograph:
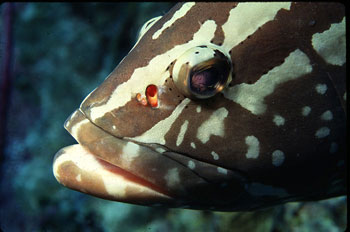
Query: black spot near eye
{"type": "Point", "coordinates": [196, 52]}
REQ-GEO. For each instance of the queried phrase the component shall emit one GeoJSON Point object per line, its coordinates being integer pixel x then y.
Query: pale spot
{"type": "Point", "coordinates": [305, 111]}
{"type": "Point", "coordinates": [198, 109]}
{"type": "Point", "coordinates": [172, 177]}
{"type": "Point", "coordinates": [215, 155]}
{"type": "Point", "coordinates": [114, 127]}
{"type": "Point", "coordinates": [331, 44]}
{"type": "Point", "coordinates": [278, 120]}
{"type": "Point", "coordinates": [344, 97]}
{"type": "Point", "coordinates": [177, 15]}
{"type": "Point", "coordinates": [146, 26]}
{"type": "Point", "coordinates": [251, 96]}
{"type": "Point", "coordinates": [254, 14]}
{"type": "Point", "coordinates": [191, 164]}
{"type": "Point", "coordinates": [321, 88]}
{"type": "Point", "coordinates": [193, 145]}
{"type": "Point", "coordinates": [130, 152]}
{"type": "Point", "coordinates": [333, 148]}
{"type": "Point", "coordinates": [213, 126]}
{"type": "Point", "coordinates": [322, 132]}
{"type": "Point", "coordinates": [78, 177]}
{"type": "Point", "coordinates": [222, 170]}
{"type": "Point", "coordinates": [253, 147]}
{"type": "Point", "coordinates": [277, 158]}
{"type": "Point", "coordinates": [160, 150]}
{"type": "Point", "coordinates": [181, 135]}
{"type": "Point", "coordinates": [327, 116]}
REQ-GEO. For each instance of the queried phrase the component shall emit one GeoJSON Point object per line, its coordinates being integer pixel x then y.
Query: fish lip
{"type": "Point", "coordinates": [77, 156]}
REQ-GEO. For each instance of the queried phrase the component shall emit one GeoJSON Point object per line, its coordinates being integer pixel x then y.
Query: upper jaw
{"type": "Point", "coordinates": [112, 168]}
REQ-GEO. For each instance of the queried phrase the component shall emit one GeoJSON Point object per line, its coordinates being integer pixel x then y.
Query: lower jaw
{"type": "Point", "coordinates": [78, 169]}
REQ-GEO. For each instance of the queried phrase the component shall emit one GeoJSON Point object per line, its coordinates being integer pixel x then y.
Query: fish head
{"type": "Point", "coordinates": [180, 122]}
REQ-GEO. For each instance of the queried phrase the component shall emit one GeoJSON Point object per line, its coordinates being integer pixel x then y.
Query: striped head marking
{"type": "Point", "coordinates": [225, 106]}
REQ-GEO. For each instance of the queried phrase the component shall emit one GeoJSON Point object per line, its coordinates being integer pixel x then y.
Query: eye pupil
{"type": "Point", "coordinates": [205, 81]}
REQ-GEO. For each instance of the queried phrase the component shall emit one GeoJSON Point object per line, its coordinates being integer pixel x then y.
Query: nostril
{"type": "Point", "coordinates": [152, 95]}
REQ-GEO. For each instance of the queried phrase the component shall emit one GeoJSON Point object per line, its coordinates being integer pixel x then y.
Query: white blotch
{"type": "Point", "coordinates": [215, 155]}
{"type": "Point", "coordinates": [78, 177]}
{"type": "Point", "coordinates": [222, 170]}
{"type": "Point", "coordinates": [327, 116]}
{"type": "Point", "coordinates": [213, 126]}
{"type": "Point", "coordinates": [114, 127]}
{"type": "Point", "coordinates": [198, 109]}
{"type": "Point", "coordinates": [191, 164]}
{"type": "Point", "coordinates": [334, 147]}
{"type": "Point", "coordinates": [154, 71]}
{"type": "Point", "coordinates": [321, 88]}
{"type": "Point", "coordinates": [130, 152]}
{"type": "Point", "coordinates": [172, 177]}
{"type": "Point", "coordinates": [146, 26]}
{"type": "Point", "coordinates": [305, 111]}
{"type": "Point", "coordinates": [181, 135]}
{"type": "Point", "coordinates": [160, 150]}
{"type": "Point", "coordinates": [157, 133]}
{"type": "Point", "coordinates": [331, 44]}
{"type": "Point", "coordinates": [278, 120]}
{"type": "Point", "coordinates": [277, 158]}
{"type": "Point", "coordinates": [253, 147]}
{"type": "Point", "coordinates": [193, 145]}
{"type": "Point", "coordinates": [258, 189]}
{"type": "Point", "coordinates": [251, 96]}
{"type": "Point", "coordinates": [254, 14]}
{"type": "Point", "coordinates": [177, 15]}
{"type": "Point", "coordinates": [322, 132]}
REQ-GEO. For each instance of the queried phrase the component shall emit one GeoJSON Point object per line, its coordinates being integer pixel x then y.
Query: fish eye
{"type": "Point", "coordinates": [202, 71]}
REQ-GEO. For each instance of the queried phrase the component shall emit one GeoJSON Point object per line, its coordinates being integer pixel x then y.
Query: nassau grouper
{"type": "Point", "coordinates": [218, 106]}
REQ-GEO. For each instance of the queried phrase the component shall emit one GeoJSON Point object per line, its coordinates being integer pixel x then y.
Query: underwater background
{"type": "Point", "coordinates": [61, 52]}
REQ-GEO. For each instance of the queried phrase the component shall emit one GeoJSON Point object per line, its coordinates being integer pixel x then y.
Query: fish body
{"type": "Point", "coordinates": [219, 106]}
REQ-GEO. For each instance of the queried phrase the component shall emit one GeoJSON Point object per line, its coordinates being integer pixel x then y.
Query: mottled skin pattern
{"type": "Point", "coordinates": [239, 166]}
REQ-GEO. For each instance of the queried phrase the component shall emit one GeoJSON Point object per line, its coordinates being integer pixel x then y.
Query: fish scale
{"type": "Point", "coordinates": [268, 130]}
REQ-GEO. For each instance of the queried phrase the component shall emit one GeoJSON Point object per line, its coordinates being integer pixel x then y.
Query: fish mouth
{"type": "Point", "coordinates": [112, 168]}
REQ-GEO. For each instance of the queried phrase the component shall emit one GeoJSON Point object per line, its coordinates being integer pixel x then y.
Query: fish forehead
{"type": "Point", "coordinates": [274, 112]}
